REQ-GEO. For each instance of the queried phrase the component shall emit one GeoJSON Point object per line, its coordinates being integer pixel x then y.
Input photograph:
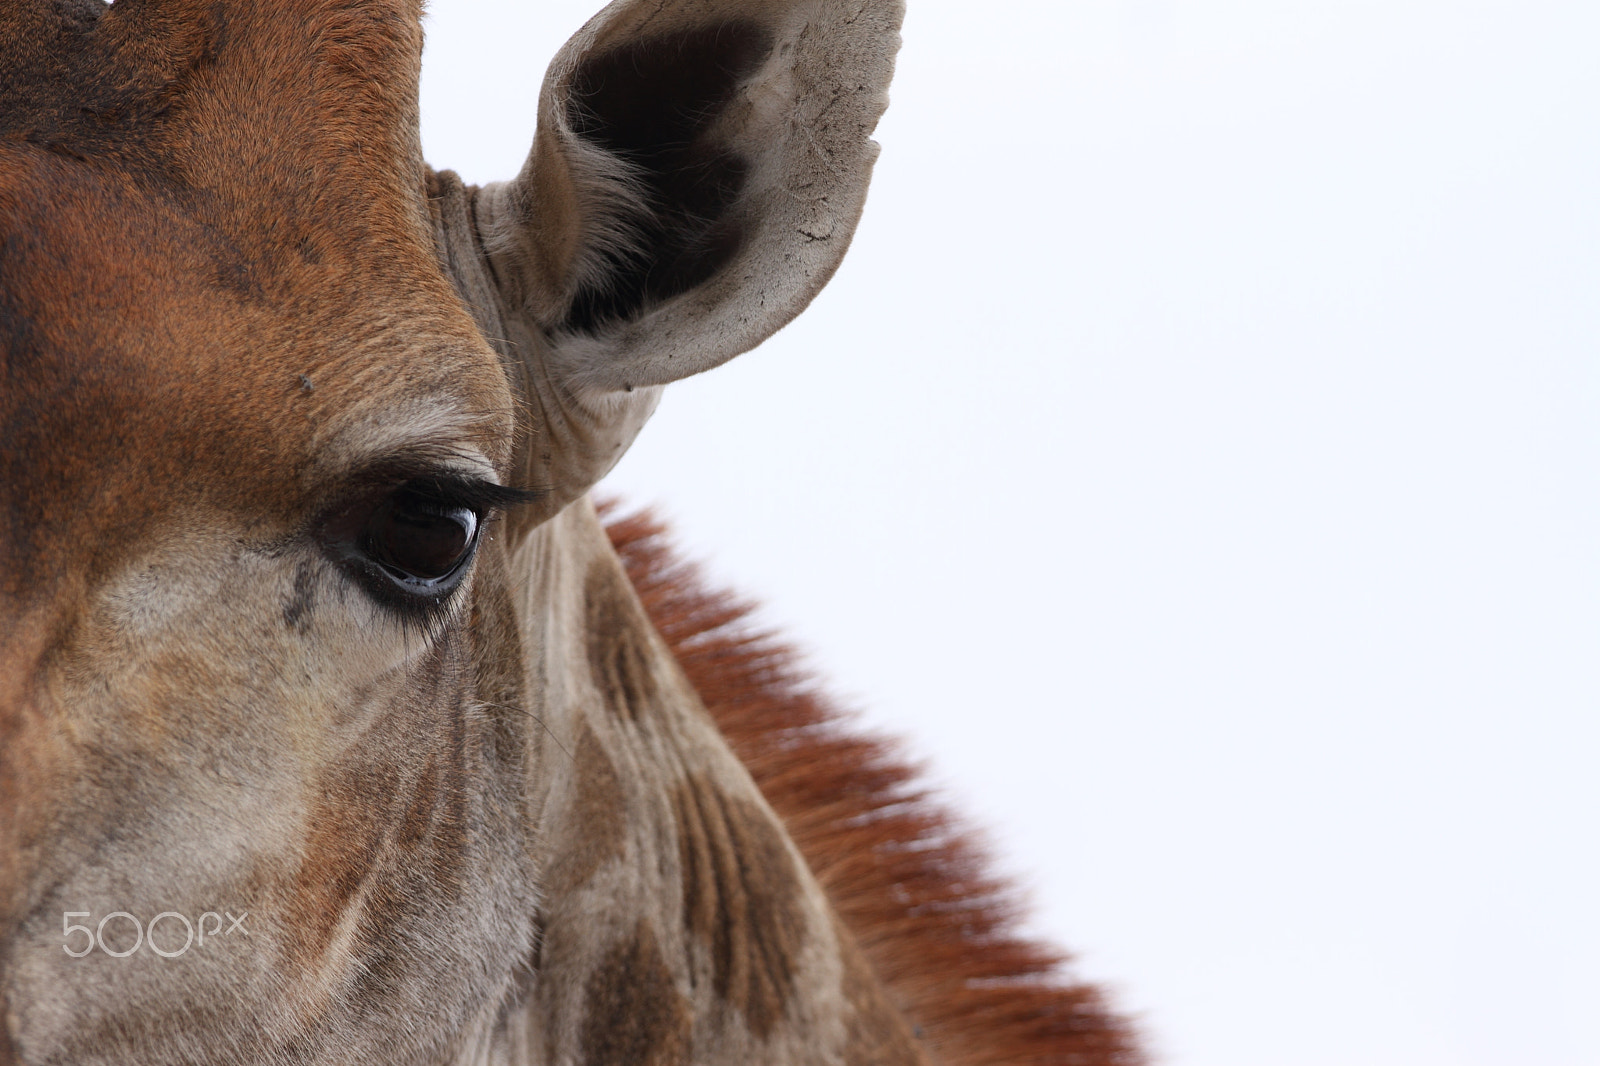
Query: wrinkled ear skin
{"type": "Point", "coordinates": [564, 443]}
{"type": "Point", "coordinates": [697, 175]}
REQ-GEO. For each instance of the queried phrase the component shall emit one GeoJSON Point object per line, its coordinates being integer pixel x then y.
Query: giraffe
{"type": "Point", "coordinates": [313, 642]}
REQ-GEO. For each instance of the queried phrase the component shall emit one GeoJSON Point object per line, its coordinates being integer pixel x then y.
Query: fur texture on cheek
{"type": "Point", "coordinates": [336, 780]}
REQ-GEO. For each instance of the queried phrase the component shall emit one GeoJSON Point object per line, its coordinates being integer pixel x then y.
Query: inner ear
{"type": "Point", "coordinates": [653, 105]}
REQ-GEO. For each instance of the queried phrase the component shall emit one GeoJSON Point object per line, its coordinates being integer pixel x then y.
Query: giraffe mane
{"type": "Point", "coordinates": [913, 885]}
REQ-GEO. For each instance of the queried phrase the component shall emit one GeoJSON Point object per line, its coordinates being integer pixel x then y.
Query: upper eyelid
{"type": "Point", "coordinates": [452, 480]}
{"type": "Point", "coordinates": [479, 494]}
{"type": "Point", "coordinates": [406, 458]}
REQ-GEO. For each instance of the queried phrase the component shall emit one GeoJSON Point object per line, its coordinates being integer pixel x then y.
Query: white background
{"type": "Point", "coordinates": [1198, 455]}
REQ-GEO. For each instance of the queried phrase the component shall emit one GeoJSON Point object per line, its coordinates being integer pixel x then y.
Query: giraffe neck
{"type": "Point", "coordinates": [677, 922]}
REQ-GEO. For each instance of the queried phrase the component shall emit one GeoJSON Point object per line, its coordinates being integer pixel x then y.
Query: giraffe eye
{"type": "Point", "coordinates": [421, 542]}
{"type": "Point", "coordinates": [410, 543]}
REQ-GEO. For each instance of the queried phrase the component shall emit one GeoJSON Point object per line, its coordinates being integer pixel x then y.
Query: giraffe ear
{"type": "Point", "coordinates": [697, 174]}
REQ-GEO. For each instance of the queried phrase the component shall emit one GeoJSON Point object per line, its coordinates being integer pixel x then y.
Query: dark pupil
{"type": "Point", "coordinates": [420, 538]}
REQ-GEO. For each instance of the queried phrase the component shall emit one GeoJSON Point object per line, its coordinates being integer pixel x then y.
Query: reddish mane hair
{"type": "Point", "coordinates": [914, 888]}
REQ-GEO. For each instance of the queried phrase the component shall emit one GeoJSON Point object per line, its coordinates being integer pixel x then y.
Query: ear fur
{"type": "Point", "coordinates": [697, 175]}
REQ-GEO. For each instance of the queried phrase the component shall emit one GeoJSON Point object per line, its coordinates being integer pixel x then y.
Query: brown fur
{"type": "Point", "coordinates": [740, 896]}
{"type": "Point", "coordinates": [597, 805]}
{"type": "Point", "coordinates": [912, 888]}
{"type": "Point", "coordinates": [620, 666]}
{"type": "Point", "coordinates": [636, 1015]}
{"type": "Point", "coordinates": [878, 1035]}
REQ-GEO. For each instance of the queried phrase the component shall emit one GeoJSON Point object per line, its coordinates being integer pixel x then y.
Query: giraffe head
{"type": "Point", "coordinates": [279, 409]}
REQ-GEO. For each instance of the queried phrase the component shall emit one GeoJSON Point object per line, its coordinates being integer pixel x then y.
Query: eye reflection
{"type": "Point", "coordinates": [418, 539]}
